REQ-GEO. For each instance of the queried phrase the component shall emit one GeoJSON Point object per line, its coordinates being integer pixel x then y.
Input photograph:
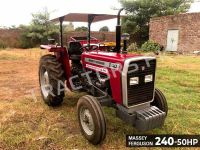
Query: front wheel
{"type": "Point", "coordinates": [160, 101]}
{"type": "Point", "coordinates": [91, 119]}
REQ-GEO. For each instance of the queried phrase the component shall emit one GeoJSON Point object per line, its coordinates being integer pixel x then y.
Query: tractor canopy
{"type": "Point", "coordinates": [89, 18]}
{"type": "Point", "coordinates": [83, 17]}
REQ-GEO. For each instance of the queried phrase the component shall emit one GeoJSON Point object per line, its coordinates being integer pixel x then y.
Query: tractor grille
{"type": "Point", "coordinates": [143, 92]}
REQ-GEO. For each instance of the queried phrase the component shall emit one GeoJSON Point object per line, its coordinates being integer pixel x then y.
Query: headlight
{"type": "Point", "coordinates": [134, 81]}
{"type": "Point", "coordinates": [148, 78]}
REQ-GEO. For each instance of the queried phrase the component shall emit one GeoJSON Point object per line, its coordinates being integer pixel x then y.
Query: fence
{"type": "Point", "coordinates": [11, 37]}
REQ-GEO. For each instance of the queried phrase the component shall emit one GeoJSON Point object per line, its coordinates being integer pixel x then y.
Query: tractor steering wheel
{"type": "Point", "coordinates": [94, 47]}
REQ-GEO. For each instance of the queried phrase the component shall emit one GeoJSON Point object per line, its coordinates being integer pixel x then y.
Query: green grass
{"type": "Point", "coordinates": [27, 124]}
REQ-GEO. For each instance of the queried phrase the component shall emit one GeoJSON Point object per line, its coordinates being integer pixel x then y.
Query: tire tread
{"type": "Point", "coordinates": [56, 73]}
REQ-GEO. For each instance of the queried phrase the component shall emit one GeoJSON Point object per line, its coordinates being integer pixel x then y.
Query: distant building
{"type": "Point", "coordinates": [178, 33]}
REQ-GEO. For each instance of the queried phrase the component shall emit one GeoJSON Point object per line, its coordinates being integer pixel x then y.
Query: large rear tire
{"type": "Point", "coordinates": [160, 101]}
{"type": "Point", "coordinates": [91, 119]}
{"type": "Point", "coordinates": [51, 79]}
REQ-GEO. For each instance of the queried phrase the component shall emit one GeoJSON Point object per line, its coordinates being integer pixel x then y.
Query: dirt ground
{"type": "Point", "coordinates": [14, 78]}
{"type": "Point", "coordinates": [27, 123]}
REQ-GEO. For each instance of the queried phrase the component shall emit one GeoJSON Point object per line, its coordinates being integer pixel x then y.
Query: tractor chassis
{"type": "Point", "coordinates": [144, 117]}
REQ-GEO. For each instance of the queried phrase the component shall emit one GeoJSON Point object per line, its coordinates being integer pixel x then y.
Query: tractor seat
{"type": "Point", "coordinates": [74, 50]}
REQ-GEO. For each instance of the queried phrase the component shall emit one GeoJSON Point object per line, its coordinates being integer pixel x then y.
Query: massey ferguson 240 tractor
{"type": "Point", "coordinates": [112, 78]}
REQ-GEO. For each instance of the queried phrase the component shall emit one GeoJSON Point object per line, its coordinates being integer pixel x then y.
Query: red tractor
{"type": "Point", "coordinates": [116, 79]}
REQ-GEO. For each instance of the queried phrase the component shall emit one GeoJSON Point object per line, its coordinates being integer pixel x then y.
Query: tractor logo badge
{"type": "Point", "coordinates": [143, 68]}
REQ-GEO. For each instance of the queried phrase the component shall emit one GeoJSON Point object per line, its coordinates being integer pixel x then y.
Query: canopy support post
{"type": "Point", "coordinates": [90, 20]}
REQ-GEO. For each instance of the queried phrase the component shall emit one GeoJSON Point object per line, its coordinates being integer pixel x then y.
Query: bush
{"type": "Point", "coordinates": [132, 47]}
{"type": "Point", "coordinates": [151, 46]}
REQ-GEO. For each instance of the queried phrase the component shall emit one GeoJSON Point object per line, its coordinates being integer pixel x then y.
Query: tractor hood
{"type": "Point", "coordinates": [108, 56]}
{"type": "Point", "coordinates": [115, 65]}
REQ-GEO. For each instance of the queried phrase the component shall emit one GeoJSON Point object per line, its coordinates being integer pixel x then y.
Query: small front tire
{"type": "Point", "coordinates": [160, 101]}
{"type": "Point", "coordinates": [91, 119]}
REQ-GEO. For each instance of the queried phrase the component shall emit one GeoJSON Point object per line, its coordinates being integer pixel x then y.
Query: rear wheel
{"type": "Point", "coordinates": [51, 78]}
{"type": "Point", "coordinates": [160, 101]}
{"type": "Point", "coordinates": [91, 119]}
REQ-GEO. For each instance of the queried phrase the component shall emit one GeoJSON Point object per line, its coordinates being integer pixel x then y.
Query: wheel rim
{"type": "Point", "coordinates": [87, 122]}
{"type": "Point", "coordinates": [44, 80]}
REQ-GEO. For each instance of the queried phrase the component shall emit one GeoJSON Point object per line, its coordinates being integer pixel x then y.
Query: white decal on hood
{"type": "Point", "coordinates": [99, 69]}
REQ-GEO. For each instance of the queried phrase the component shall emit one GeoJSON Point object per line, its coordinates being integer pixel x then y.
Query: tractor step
{"type": "Point", "coordinates": [145, 119]}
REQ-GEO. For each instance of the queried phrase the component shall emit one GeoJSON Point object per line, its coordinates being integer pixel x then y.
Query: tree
{"type": "Point", "coordinates": [104, 29]}
{"type": "Point", "coordinates": [81, 29]}
{"type": "Point", "coordinates": [39, 31]}
{"type": "Point", "coordinates": [140, 11]}
{"type": "Point", "coordinates": [69, 27]}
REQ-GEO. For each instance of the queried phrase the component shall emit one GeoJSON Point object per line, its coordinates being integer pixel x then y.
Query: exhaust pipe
{"type": "Point", "coordinates": [118, 32]}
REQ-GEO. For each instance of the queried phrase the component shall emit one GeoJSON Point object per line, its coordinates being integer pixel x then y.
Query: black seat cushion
{"type": "Point", "coordinates": [74, 50]}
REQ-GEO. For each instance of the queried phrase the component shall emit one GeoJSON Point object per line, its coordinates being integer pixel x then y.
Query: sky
{"type": "Point", "coordinates": [16, 12]}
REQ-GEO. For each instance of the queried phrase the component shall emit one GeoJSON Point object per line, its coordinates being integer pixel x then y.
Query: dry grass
{"type": "Point", "coordinates": [27, 123]}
